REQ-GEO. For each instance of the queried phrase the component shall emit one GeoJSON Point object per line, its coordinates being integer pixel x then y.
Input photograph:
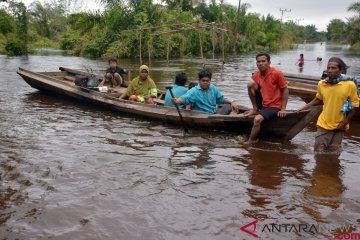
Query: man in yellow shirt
{"type": "Point", "coordinates": [333, 93]}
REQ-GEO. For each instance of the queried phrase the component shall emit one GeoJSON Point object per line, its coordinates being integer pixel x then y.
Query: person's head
{"type": "Point", "coordinates": [204, 79]}
{"type": "Point", "coordinates": [263, 61]}
{"type": "Point", "coordinates": [301, 55]}
{"type": "Point", "coordinates": [144, 72]}
{"type": "Point", "coordinates": [335, 67]}
{"type": "Point", "coordinates": [180, 79]}
{"type": "Point", "coordinates": [112, 62]}
{"type": "Point", "coordinates": [192, 84]}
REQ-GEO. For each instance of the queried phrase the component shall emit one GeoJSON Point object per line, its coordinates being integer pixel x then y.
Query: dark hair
{"type": "Point", "coordinates": [204, 73]}
{"type": "Point", "coordinates": [192, 84]}
{"type": "Point", "coordinates": [339, 61]}
{"type": "Point", "coordinates": [112, 60]}
{"type": "Point", "coordinates": [263, 54]}
{"type": "Point", "coordinates": [301, 55]}
{"type": "Point", "coordinates": [180, 79]}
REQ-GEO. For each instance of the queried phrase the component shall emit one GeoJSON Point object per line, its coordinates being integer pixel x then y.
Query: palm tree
{"type": "Point", "coordinates": [355, 7]}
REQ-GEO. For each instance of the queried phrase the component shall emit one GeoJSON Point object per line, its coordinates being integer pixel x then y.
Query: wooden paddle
{"type": "Point", "coordinates": [177, 108]}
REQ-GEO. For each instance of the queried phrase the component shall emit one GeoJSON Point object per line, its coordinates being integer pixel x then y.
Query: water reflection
{"type": "Point", "coordinates": [69, 170]}
{"type": "Point", "coordinates": [270, 170]}
{"type": "Point", "coordinates": [183, 156]}
{"type": "Point", "coordinates": [326, 187]}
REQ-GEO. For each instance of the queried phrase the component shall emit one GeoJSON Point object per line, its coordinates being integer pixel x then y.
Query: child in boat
{"type": "Point", "coordinates": [178, 90]}
{"type": "Point", "coordinates": [191, 85]}
{"type": "Point", "coordinates": [114, 74]}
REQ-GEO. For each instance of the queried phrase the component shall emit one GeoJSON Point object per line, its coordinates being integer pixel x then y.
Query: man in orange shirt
{"type": "Point", "coordinates": [270, 83]}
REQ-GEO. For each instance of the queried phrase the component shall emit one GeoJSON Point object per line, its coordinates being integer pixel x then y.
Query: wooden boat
{"type": "Point", "coordinates": [307, 92]}
{"type": "Point", "coordinates": [299, 78]}
{"type": "Point", "coordinates": [62, 82]}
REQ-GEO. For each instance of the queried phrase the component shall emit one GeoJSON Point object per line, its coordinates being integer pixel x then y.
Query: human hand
{"type": "Point", "coordinates": [342, 125]}
{"type": "Point", "coordinates": [234, 106]}
{"type": "Point", "coordinates": [282, 113]}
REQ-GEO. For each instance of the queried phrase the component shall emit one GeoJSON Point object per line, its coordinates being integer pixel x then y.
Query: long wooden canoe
{"type": "Point", "coordinates": [307, 92]}
{"type": "Point", "coordinates": [62, 82]}
{"type": "Point", "coordinates": [300, 78]}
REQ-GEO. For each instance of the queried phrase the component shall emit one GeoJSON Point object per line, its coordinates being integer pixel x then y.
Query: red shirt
{"type": "Point", "coordinates": [270, 87]}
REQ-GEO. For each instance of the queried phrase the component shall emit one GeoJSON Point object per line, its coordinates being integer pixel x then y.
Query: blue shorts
{"type": "Point", "coordinates": [269, 112]}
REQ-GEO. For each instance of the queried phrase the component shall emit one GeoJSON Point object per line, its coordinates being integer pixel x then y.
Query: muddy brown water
{"type": "Point", "coordinates": [73, 171]}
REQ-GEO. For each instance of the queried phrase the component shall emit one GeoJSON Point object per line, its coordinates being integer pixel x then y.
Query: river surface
{"type": "Point", "coordinates": [73, 171]}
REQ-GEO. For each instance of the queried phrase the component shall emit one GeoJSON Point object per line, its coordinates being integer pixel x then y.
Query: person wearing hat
{"type": "Point", "coordinates": [142, 88]}
{"type": "Point", "coordinates": [333, 93]}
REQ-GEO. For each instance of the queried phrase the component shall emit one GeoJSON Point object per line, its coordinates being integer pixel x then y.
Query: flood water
{"type": "Point", "coordinates": [73, 171]}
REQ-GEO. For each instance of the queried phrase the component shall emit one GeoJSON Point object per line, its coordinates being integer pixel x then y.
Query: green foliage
{"type": "Point", "coordinates": [134, 28]}
{"type": "Point", "coordinates": [6, 22]}
{"type": "Point", "coordinates": [336, 31]}
{"type": "Point", "coordinates": [15, 47]}
{"type": "Point", "coordinates": [70, 40]}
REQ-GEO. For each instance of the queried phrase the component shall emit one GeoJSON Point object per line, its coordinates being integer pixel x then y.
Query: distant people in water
{"type": "Point", "coordinates": [319, 60]}
{"type": "Point", "coordinates": [301, 60]}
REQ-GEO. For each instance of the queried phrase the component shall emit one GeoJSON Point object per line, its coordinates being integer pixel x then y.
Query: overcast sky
{"type": "Point", "coordinates": [316, 12]}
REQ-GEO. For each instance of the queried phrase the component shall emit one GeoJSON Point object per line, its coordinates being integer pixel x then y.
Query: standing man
{"type": "Point", "coordinates": [205, 97]}
{"type": "Point", "coordinates": [333, 92]}
{"type": "Point", "coordinates": [268, 94]}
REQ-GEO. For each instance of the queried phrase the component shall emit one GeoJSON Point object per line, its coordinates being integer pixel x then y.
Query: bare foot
{"type": "Point", "coordinates": [248, 142]}
{"type": "Point", "coordinates": [250, 112]}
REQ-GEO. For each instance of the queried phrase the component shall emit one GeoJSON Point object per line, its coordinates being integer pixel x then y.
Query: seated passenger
{"type": "Point", "coordinates": [114, 74]}
{"type": "Point", "coordinates": [178, 89]}
{"type": "Point", "coordinates": [205, 97]}
{"type": "Point", "coordinates": [142, 88]}
{"type": "Point", "coordinates": [191, 85]}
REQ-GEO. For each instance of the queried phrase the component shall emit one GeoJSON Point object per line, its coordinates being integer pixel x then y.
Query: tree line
{"type": "Point", "coordinates": [144, 28]}
{"type": "Point", "coordinates": [348, 32]}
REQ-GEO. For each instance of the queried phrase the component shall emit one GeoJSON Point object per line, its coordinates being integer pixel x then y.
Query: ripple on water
{"type": "Point", "coordinates": [73, 171]}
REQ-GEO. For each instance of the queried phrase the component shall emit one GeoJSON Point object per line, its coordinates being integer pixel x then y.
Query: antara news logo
{"type": "Point", "coordinates": [255, 229]}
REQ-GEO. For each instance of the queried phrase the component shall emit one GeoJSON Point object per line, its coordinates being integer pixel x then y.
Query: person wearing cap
{"type": "Point", "coordinates": [333, 93]}
{"type": "Point", "coordinates": [142, 88]}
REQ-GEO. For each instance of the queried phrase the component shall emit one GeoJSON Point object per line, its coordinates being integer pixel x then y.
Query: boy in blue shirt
{"type": "Point", "coordinates": [205, 97]}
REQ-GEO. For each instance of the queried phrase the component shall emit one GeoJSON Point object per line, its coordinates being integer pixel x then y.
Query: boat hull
{"type": "Point", "coordinates": [61, 83]}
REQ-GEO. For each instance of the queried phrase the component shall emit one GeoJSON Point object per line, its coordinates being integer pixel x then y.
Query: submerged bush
{"type": "Point", "coordinates": [15, 47]}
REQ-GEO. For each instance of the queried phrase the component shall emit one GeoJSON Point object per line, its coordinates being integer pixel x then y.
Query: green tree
{"type": "Point", "coordinates": [17, 44]}
{"type": "Point", "coordinates": [6, 22]}
{"type": "Point", "coordinates": [336, 31]}
{"type": "Point", "coordinates": [354, 25]}
{"type": "Point", "coordinates": [355, 7]}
